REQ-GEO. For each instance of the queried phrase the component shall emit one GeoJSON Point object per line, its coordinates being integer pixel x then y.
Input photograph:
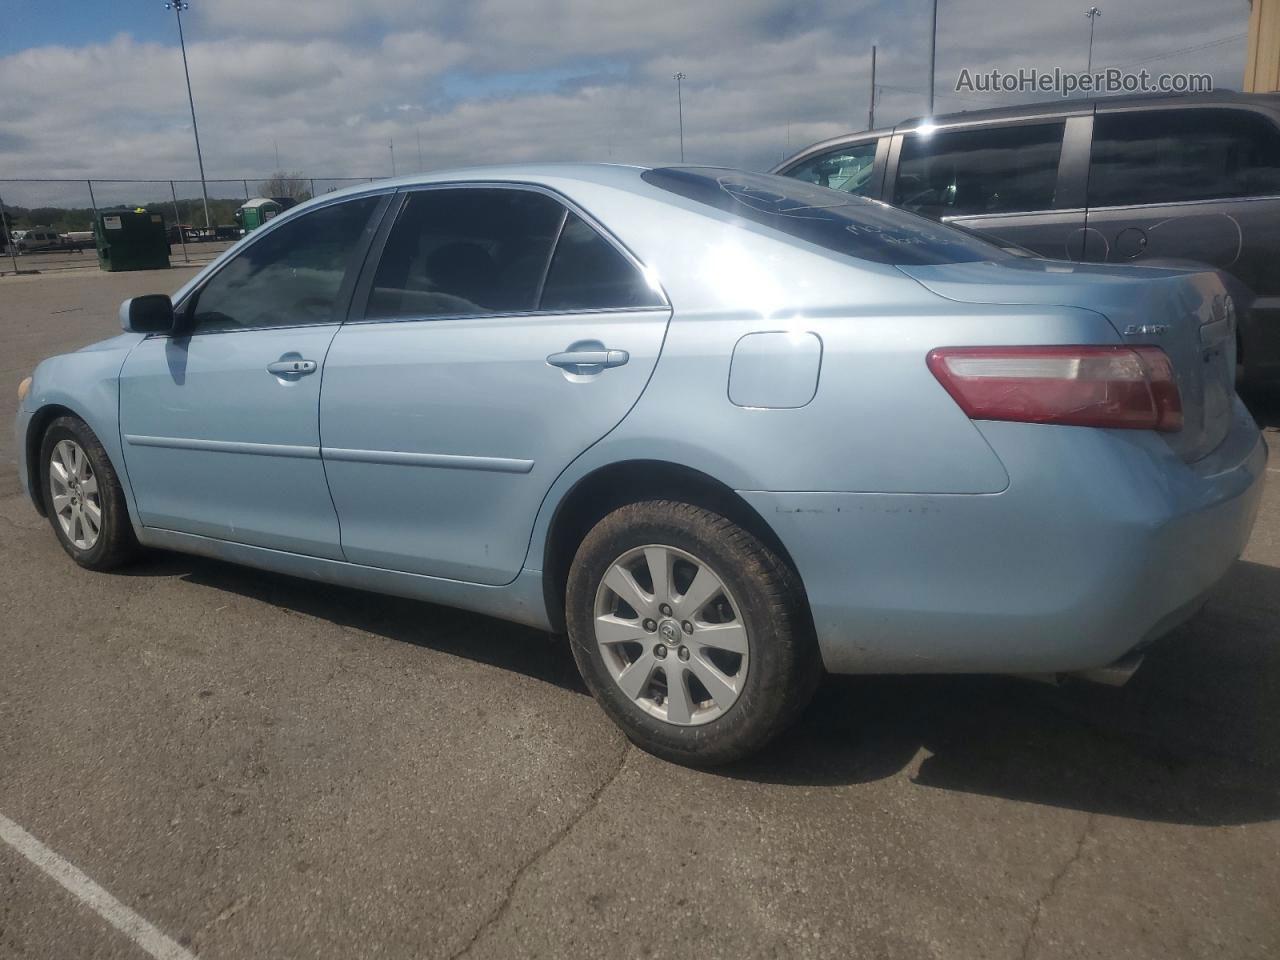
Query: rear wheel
{"type": "Point", "coordinates": [83, 497]}
{"type": "Point", "coordinates": [689, 631]}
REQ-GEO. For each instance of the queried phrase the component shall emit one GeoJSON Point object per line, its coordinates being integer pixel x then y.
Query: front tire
{"type": "Point", "coordinates": [83, 498]}
{"type": "Point", "coordinates": [689, 631]}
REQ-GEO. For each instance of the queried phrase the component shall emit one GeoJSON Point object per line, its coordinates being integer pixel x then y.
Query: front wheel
{"type": "Point", "coordinates": [83, 497]}
{"type": "Point", "coordinates": [689, 631]}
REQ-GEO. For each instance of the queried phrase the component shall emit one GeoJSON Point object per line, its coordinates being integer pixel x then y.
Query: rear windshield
{"type": "Point", "coordinates": [838, 221]}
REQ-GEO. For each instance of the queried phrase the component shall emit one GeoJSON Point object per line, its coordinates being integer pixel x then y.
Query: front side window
{"type": "Point", "coordinates": [845, 224]}
{"type": "Point", "coordinates": [992, 170]}
{"type": "Point", "coordinates": [1166, 156]}
{"type": "Point", "coordinates": [289, 276]}
{"type": "Point", "coordinates": [465, 252]}
{"type": "Point", "coordinates": [847, 169]}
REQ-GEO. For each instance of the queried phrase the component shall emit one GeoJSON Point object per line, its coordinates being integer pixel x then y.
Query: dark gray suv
{"type": "Point", "coordinates": [1118, 180]}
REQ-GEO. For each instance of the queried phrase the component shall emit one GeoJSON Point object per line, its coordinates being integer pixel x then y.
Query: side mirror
{"type": "Point", "coordinates": [152, 313]}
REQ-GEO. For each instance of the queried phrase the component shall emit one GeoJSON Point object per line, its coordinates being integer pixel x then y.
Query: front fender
{"type": "Point", "coordinates": [87, 384]}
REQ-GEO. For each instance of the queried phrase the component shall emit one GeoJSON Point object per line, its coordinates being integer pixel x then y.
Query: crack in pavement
{"type": "Point", "coordinates": [1052, 888]}
{"type": "Point", "coordinates": [34, 525]}
{"type": "Point", "coordinates": [593, 801]}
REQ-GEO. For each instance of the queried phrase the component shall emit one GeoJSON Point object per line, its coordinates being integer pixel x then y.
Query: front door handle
{"type": "Point", "coordinates": [593, 360]}
{"type": "Point", "coordinates": [292, 368]}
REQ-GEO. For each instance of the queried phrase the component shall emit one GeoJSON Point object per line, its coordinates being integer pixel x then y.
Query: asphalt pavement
{"type": "Point", "coordinates": [252, 766]}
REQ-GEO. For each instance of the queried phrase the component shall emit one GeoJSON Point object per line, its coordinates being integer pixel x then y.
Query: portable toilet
{"type": "Point", "coordinates": [131, 240]}
{"type": "Point", "coordinates": [256, 212]}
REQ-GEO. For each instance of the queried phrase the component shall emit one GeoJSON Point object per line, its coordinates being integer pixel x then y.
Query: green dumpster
{"type": "Point", "coordinates": [256, 212]}
{"type": "Point", "coordinates": [131, 240]}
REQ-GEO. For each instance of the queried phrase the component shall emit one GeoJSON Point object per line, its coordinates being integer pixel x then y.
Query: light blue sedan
{"type": "Point", "coordinates": [725, 429]}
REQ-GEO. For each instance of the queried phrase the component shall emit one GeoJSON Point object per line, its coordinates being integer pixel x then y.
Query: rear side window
{"type": "Point", "coordinates": [847, 169]}
{"type": "Point", "coordinates": [1164, 156]}
{"type": "Point", "coordinates": [463, 252]}
{"type": "Point", "coordinates": [837, 221]}
{"type": "Point", "coordinates": [588, 273]}
{"type": "Point", "coordinates": [290, 275]}
{"type": "Point", "coordinates": [990, 170]}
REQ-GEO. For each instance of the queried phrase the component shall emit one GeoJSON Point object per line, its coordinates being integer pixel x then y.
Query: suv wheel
{"type": "Point", "coordinates": [689, 632]}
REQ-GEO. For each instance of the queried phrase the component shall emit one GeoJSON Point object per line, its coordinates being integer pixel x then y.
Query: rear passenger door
{"type": "Point", "coordinates": [498, 335]}
{"type": "Point", "coordinates": [1017, 183]}
{"type": "Point", "coordinates": [1196, 183]}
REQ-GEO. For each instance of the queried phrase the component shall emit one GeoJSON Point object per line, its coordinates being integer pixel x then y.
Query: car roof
{"type": "Point", "coordinates": [1074, 105]}
{"type": "Point", "coordinates": [623, 176]}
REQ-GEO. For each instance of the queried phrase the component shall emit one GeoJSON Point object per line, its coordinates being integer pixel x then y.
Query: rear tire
{"type": "Point", "coordinates": [83, 498]}
{"type": "Point", "coordinates": [690, 632]}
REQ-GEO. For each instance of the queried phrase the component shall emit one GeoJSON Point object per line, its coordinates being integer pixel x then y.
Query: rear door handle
{"type": "Point", "coordinates": [291, 368]}
{"type": "Point", "coordinates": [575, 360]}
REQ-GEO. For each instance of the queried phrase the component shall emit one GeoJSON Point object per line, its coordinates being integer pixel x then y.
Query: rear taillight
{"type": "Point", "coordinates": [1084, 386]}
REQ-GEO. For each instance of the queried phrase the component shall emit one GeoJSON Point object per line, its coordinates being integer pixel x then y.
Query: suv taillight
{"type": "Point", "coordinates": [1084, 386]}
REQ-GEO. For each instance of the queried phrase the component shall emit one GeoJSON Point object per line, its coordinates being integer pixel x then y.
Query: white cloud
{"type": "Point", "coordinates": [331, 82]}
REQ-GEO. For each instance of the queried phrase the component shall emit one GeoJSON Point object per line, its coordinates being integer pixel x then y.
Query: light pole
{"type": "Point", "coordinates": [1093, 13]}
{"type": "Point", "coordinates": [871, 115]}
{"type": "Point", "coordinates": [391, 145]}
{"type": "Point", "coordinates": [933, 54]}
{"type": "Point", "coordinates": [177, 6]}
{"type": "Point", "coordinates": [679, 79]}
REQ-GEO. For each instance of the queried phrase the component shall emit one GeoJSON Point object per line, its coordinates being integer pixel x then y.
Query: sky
{"type": "Point", "coordinates": [96, 89]}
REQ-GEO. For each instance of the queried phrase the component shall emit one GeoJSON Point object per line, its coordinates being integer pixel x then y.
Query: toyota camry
{"type": "Point", "coordinates": [726, 430]}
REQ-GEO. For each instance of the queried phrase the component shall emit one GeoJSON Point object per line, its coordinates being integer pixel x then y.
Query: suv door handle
{"type": "Point", "coordinates": [291, 368]}
{"type": "Point", "coordinates": [576, 359]}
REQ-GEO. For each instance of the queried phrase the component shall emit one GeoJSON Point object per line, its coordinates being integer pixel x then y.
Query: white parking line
{"type": "Point", "coordinates": [104, 904]}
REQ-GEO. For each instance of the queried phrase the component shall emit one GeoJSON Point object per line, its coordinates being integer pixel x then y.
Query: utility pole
{"type": "Point", "coordinates": [871, 115]}
{"type": "Point", "coordinates": [177, 6]}
{"type": "Point", "coordinates": [1093, 13]}
{"type": "Point", "coordinates": [933, 55]}
{"type": "Point", "coordinates": [679, 79]}
{"type": "Point", "coordinates": [419, 135]}
{"type": "Point", "coordinates": [392, 147]}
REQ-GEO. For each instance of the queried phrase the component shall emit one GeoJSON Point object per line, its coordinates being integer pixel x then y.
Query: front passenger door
{"type": "Point", "coordinates": [221, 424]}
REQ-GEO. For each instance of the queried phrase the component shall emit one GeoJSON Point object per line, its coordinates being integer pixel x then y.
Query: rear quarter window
{"type": "Point", "coordinates": [837, 221]}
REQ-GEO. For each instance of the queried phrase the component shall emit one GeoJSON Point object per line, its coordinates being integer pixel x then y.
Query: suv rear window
{"type": "Point", "coordinates": [856, 227]}
{"type": "Point", "coordinates": [1163, 156]}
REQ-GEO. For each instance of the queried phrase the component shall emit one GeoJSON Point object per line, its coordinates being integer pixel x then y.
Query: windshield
{"type": "Point", "coordinates": [837, 221]}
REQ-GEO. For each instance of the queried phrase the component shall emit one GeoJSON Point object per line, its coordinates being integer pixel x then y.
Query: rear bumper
{"type": "Point", "coordinates": [1103, 541]}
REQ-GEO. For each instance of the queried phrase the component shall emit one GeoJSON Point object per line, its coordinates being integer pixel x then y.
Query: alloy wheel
{"type": "Point", "coordinates": [76, 502]}
{"type": "Point", "coordinates": [671, 635]}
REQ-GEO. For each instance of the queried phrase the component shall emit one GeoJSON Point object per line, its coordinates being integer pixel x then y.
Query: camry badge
{"type": "Point", "coordinates": [1146, 330]}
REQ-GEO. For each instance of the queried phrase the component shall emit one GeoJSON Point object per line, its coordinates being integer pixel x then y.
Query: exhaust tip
{"type": "Point", "coordinates": [1112, 675]}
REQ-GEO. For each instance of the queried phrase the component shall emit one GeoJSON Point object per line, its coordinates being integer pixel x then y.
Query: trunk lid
{"type": "Point", "coordinates": [1184, 312]}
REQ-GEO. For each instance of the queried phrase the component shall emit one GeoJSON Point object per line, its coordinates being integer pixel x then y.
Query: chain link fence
{"type": "Point", "coordinates": [47, 225]}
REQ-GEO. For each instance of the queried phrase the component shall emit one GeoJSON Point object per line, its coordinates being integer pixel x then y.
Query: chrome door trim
{"type": "Point", "coordinates": [225, 446]}
{"type": "Point", "coordinates": [447, 461]}
{"type": "Point", "coordinates": [1252, 198]}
